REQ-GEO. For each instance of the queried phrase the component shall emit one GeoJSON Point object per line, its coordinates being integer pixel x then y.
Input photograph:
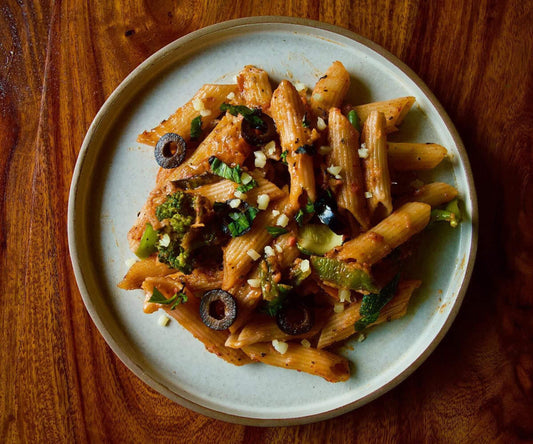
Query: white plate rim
{"type": "Point", "coordinates": [72, 217]}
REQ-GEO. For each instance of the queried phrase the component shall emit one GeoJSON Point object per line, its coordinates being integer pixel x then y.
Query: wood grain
{"type": "Point", "coordinates": [60, 382]}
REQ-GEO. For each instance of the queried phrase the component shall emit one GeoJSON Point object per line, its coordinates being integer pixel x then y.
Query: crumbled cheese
{"type": "Point", "coordinates": [304, 265]}
{"type": "Point", "coordinates": [197, 104]}
{"type": "Point", "coordinates": [321, 124]}
{"type": "Point", "coordinates": [246, 178]}
{"type": "Point", "coordinates": [338, 308]}
{"type": "Point", "coordinates": [275, 213]}
{"type": "Point", "coordinates": [368, 194]}
{"type": "Point", "coordinates": [280, 346]}
{"type": "Point", "coordinates": [230, 96]}
{"type": "Point", "coordinates": [363, 146]}
{"type": "Point", "coordinates": [283, 220]}
{"type": "Point", "coordinates": [205, 112]}
{"type": "Point", "coordinates": [363, 153]}
{"type": "Point", "coordinates": [234, 203]}
{"type": "Point", "coordinates": [239, 195]}
{"type": "Point", "coordinates": [305, 343]}
{"type": "Point", "coordinates": [253, 254]}
{"type": "Point", "coordinates": [163, 320]}
{"type": "Point", "coordinates": [254, 283]}
{"type": "Point", "coordinates": [300, 86]}
{"type": "Point", "coordinates": [262, 201]}
{"type": "Point", "coordinates": [260, 159]}
{"type": "Point", "coordinates": [129, 262]}
{"type": "Point", "coordinates": [344, 295]}
{"type": "Point", "coordinates": [269, 251]}
{"type": "Point", "coordinates": [165, 240]}
{"type": "Point", "coordinates": [270, 148]}
{"type": "Point", "coordinates": [278, 248]}
{"type": "Point", "coordinates": [334, 171]}
{"type": "Point", "coordinates": [324, 150]}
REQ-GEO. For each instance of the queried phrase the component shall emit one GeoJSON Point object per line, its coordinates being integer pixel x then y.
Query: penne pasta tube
{"type": "Point", "coordinates": [331, 367]}
{"type": "Point", "coordinates": [415, 156]}
{"type": "Point", "coordinates": [344, 142]}
{"type": "Point", "coordinates": [143, 269]}
{"type": "Point", "coordinates": [379, 241]}
{"type": "Point", "coordinates": [434, 194]}
{"type": "Point", "coordinates": [394, 110]}
{"type": "Point", "coordinates": [330, 90]}
{"type": "Point", "coordinates": [340, 326]}
{"type": "Point", "coordinates": [288, 112]}
{"type": "Point", "coordinates": [205, 103]}
{"type": "Point", "coordinates": [254, 86]}
{"type": "Point", "coordinates": [377, 176]}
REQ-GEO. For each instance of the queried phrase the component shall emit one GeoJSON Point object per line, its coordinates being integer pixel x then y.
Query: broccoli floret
{"type": "Point", "coordinates": [177, 214]}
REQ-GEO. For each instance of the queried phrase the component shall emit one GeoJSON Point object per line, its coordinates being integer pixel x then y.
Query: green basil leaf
{"type": "Point", "coordinates": [196, 127]}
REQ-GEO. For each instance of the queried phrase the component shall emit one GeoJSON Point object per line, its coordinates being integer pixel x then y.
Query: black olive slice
{"type": "Point", "coordinates": [259, 136]}
{"type": "Point", "coordinates": [327, 212]}
{"type": "Point", "coordinates": [218, 309]}
{"type": "Point", "coordinates": [170, 150]}
{"type": "Point", "coordinates": [295, 319]}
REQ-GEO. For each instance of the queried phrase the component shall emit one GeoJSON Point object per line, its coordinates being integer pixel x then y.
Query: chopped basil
{"type": "Point", "coordinates": [231, 173]}
{"type": "Point", "coordinates": [241, 221]}
{"type": "Point", "coordinates": [353, 118]}
{"type": "Point", "coordinates": [306, 149]}
{"type": "Point", "coordinates": [374, 302]}
{"type": "Point", "coordinates": [309, 207]}
{"type": "Point", "coordinates": [284, 157]}
{"type": "Point", "coordinates": [299, 217]}
{"type": "Point", "coordinates": [196, 127]}
{"type": "Point", "coordinates": [276, 231]}
{"type": "Point", "coordinates": [249, 114]}
{"type": "Point", "coordinates": [158, 298]}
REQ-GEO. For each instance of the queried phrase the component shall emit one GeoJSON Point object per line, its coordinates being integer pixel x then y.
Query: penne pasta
{"type": "Point", "coordinates": [434, 194]}
{"type": "Point", "coordinates": [254, 86]}
{"type": "Point", "coordinates": [394, 110]}
{"type": "Point", "coordinates": [330, 90]}
{"type": "Point", "coordinates": [415, 156]}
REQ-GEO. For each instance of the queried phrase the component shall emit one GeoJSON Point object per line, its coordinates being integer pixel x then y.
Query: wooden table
{"type": "Point", "coordinates": [60, 60]}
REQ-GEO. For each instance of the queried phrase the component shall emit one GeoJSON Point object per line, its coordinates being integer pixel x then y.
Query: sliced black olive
{"type": "Point", "coordinates": [170, 150]}
{"type": "Point", "coordinates": [218, 309]}
{"type": "Point", "coordinates": [295, 319]}
{"type": "Point", "coordinates": [327, 212]}
{"type": "Point", "coordinates": [259, 136]}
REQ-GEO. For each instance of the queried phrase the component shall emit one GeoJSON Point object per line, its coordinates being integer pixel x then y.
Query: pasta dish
{"type": "Point", "coordinates": [281, 217]}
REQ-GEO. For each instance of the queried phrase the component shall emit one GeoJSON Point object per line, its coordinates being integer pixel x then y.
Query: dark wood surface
{"type": "Point", "coordinates": [59, 61]}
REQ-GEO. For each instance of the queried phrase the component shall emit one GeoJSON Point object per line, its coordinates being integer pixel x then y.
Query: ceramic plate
{"type": "Point", "coordinates": [114, 175]}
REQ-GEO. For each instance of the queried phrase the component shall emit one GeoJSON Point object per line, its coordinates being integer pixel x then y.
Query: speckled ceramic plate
{"type": "Point", "coordinates": [114, 175]}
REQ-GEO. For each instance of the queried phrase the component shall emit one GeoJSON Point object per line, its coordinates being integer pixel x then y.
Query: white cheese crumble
{"type": "Point", "coordinates": [230, 96]}
{"type": "Point", "coordinates": [278, 248]}
{"type": "Point", "coordinates": [165, 240]}
{"type": "Point", "coordinates": [334, 171]}
{"type": "Point", "coordinates": [282, 221]}
{"type": "Point", "coordinates": [304, 265]}
{"type": "Point", "coordinates": [246, 178]}
{"type": "Point", "coordinates": [234, 203]}
{"type": "Point", "coordinates": [280, 346]}
{"type": "Point", "coordinates": [368, 194]}
{"type": "Point", "coordinates": [205, 112]}
{"type": "Point", "coordinates": [270, 148]}
{"type": "Point", "coordinates": [305, 343]}
{"type": "Point", "coordinates": [163, 320]}
{"type": "Point", "coordinates": [269, 251]}
{"type": "Point", "coordinates": [275, 213]}
{"type": "Point", "coordinates": [260, 159]}
{"type": "Point", "coordinates": [197, 104]}
{"type": "Point", "coordinates": [321, 124]}
{"type": "Point", "coordinates": [254, 283]}
{"type": "Point", "coordinates": [299, 86]}
{"type": "Point", "coordinates": [344, 295]}
{"type": "Point", "coordinates": [129, 262]}
{"type": "Point", "coordinates": [262, 201]}
{"type": "Point", "coordinates": [338, 308]}
{"type": "Point", "coordinates": [324, 150]}
{"type": "Point", "coordinates": [239, 195]}
{"type": "Point", "coordinates": [253, 254]}
{"type": "Point", "coordinates": [363, 153]}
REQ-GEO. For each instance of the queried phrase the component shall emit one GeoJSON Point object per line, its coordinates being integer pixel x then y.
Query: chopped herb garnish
{"type": "Point", "coordinates": [249, 114]}
{"type": "Point", "coordinates": [231, 173]}
{"type": "Point", "coordinates": [353, 118]}
{"type": "Point", "coordinates": [158, 298]}
{"type": "Point", "coordinates": [306, 149]}
{"type": "Point", "coordinates": [196, 127]}
{"type": "Point", "coordinates": [451, 214]}
{"type": "Point", "coordinates": [241, 221]}
{"type": "Point", "coordinates": [309, 207]}
{"type": "Point", "coordinates": [284, 157]}
{"type": "Point", "coordinates": [305, 121]}
{"type": "Point", "coordinates": [276, 231]}
{"type": "Point", "coordinates": [374, 302]}
{"type": "Point", "coordinates": [299, 217]}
